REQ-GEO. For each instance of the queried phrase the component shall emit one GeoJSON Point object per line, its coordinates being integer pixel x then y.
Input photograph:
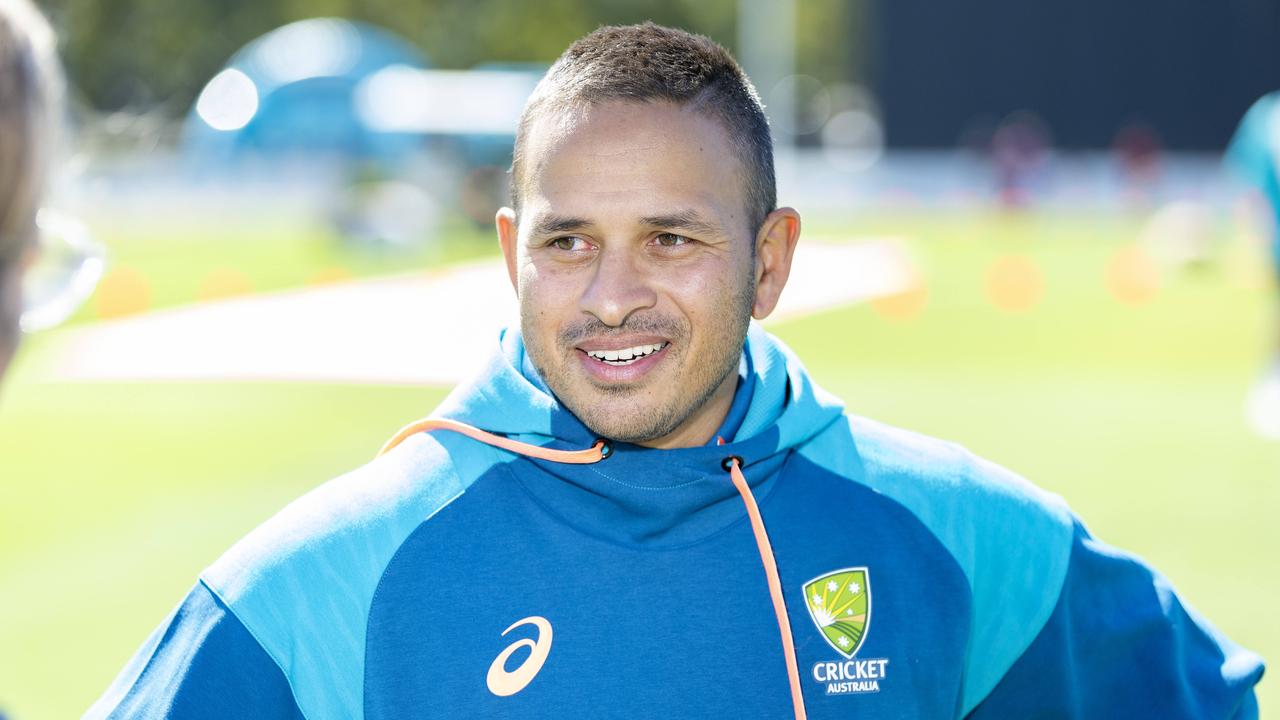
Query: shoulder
{"type": "Point", "coordinates": [936, 478]}
{"type": "Point", "coordinates": [1251, 148]}
{"type": "Point", "coordinates": [373, 503]}
{"type": "Point", "coordinates": [199, 663]}
{"type": "Point", "coordinates": [1012, 539]}
{"type": "Point", "coordinates": [302, 582]}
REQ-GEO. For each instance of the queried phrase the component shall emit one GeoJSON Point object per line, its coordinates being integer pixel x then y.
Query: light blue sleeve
{"type": "Point", "coordinates": [1254, 154]}
{"type": "Point", "coordinates": [1121, 643]}
{"type": "Point", "coordinates": [200, 663]}
{"type": "Point", "coordinates": [1254, 150]}
{"type": "Point", "coordinates": [304, 581]}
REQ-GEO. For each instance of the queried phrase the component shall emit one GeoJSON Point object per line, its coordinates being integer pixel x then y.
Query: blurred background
{"type": "Point", "coordinates": [1019, 234]}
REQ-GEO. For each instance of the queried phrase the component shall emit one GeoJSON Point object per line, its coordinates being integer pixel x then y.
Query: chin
{"type": "Point", "coordinates": [641, 424]}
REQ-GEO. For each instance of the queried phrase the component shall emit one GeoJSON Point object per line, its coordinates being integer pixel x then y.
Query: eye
{"type": "Point", "coordinates": [671, 240]}
{"type": "Point", "coordinates": [568, 243]}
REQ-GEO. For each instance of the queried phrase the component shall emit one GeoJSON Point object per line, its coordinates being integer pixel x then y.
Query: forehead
{"type": "Point", "coordinates": [634, 158]}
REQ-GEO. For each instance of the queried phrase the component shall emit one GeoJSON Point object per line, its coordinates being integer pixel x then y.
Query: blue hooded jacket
{"type": "Point", "coordinates": [449, 578]}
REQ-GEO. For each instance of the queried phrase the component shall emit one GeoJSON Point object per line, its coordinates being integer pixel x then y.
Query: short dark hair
{"type": "Point", "coordinates": [646, 62]}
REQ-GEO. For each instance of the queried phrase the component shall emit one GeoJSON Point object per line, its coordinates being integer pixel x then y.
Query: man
{"type": "Point", "coordinates": [30, 85]}
{"type": "Point", "coordinates": [643, 508]}
{"type": "Point", "coordinates": [1254, 153]}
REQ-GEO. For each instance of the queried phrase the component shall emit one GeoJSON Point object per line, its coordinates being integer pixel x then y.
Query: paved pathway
{"type": "Point", "coordinates": [406, 329]}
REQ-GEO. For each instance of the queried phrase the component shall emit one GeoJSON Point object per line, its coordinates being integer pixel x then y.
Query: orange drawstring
{"type": "Point", "coordinates": [775, 583]}
{"type": "Point", "coordinates": [598, 452]}
{"type": "Point", "coordinates": [593, 454]}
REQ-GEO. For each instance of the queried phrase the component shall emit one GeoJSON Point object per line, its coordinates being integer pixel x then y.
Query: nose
{"type": "Point", "coordinates": [619, 287]}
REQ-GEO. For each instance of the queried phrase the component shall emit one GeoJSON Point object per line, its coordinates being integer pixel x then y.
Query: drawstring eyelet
{"type": "Point", "coordinates": [727, 463]}
{"type": "Point", "coordinates": [606, 449]}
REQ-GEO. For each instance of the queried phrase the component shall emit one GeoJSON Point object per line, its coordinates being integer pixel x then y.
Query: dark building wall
{"type": "Point", "coordinates": [1186, 68]}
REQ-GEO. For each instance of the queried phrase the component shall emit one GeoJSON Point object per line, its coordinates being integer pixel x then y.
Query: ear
{"type": "Point", "coordinates": [508, 239]}
{"type": "Point", "coordinates": [775, 245]}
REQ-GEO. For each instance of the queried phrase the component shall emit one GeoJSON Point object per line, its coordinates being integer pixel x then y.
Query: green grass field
{"type": "Point", "coordinates": [114, 496]}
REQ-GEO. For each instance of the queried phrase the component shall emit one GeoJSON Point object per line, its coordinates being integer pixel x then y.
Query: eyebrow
{"type": "Point", "coordinates": [552, 224]}
{"type": "Point", "coordinates": [688, 220]}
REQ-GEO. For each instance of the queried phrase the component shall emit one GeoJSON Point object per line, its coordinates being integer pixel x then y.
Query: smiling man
{"type": "Point", "coordinates": [642, 507]}
{"type": "Point", "coordinates": [638, 264]}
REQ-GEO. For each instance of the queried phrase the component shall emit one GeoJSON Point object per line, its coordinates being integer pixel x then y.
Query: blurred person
{"type": "Point", "coordinates": [642, 505]}
{"type": "Point", "coordinates": [1138, 155]}
{"type": "Point", "coordinates": [1254, 153]}
{"type": "Point", "coordinates": [1020, 150]}
{"type": "Point", "coordinates": [30, 89]}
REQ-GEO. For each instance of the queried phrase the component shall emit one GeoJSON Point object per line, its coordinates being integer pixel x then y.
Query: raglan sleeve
{"type": "Point", "coordinates": [1120, 643]}
{"type": "Point", "coordinates": [201, 662]}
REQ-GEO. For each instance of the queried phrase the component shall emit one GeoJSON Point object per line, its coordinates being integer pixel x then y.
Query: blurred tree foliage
{"type": "Point", "coordinates": [156, 55]}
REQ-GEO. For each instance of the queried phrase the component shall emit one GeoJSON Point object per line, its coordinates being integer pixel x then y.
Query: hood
{"type": "Point", "coordinates": [658, 498]}
{"type": "Point", "coordinates": [508, 397]}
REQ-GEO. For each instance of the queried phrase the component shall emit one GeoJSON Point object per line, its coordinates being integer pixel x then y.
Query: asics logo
{"type": "Point", "coordinates": [503, 682]}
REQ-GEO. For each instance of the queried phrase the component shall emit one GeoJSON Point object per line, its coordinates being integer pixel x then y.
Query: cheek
{"type": "Point", "coordinates": [554, 286]}
{"type": "Point", "coordinates": [706, 295]}
{"type": "Point", "coordinates": [535, 285]}
{"type": "Point", "coordinates": [546, 302]}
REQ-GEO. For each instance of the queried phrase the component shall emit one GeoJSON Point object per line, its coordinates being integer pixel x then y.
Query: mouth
{"type": "Point", "coordinates": [617, 362]}
{"type": "Point", "coordinates": [625, 356]}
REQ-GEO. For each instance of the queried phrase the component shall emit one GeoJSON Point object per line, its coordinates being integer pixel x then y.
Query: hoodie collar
{"type": "Point", "coordinates": [644, 496]}
{"type": "Point", "coordinates": [507, 396]}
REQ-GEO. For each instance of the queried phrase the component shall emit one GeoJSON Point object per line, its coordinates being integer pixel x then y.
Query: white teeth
{"type": "Point", "coordinates": [625, 355]}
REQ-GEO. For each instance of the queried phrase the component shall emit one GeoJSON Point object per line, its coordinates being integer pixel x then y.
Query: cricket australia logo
{"type": "Point", "coordinates": [839, 603]}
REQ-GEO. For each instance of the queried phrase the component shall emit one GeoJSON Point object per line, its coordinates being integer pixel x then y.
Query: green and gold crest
{"type": "Point", "coordinates": [840, 605]}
